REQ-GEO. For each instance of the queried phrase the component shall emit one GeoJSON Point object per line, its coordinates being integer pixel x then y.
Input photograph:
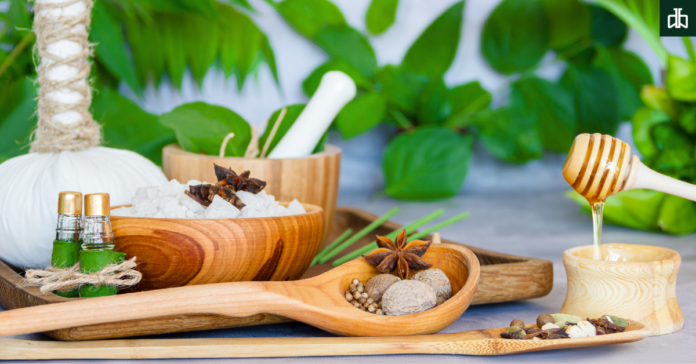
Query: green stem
{"type": "Point", "coordinates": [16, 52]}
{"type": "Point", "coordinates": [439, 226]}
{"type": "Point", "coordinates": [410, 228]}
{"type": "Point", "coordinates": [333, 244]}
{"type": "Point", "coordinates": [367, 229]}
{"type": "Point", "coordinates": [689, 48]}
{"type": "Point", "coordinates": [401, 119]}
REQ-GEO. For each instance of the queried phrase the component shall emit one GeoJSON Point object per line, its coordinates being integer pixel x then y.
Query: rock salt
{"type": "Point", "coordinates": [170, 201]}
{"type": "Point", "coordinates": [221, 209]}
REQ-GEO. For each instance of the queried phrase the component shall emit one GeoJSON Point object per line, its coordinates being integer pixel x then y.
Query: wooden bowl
{"type": "Point", "coordinates": [313, 179]}
{"type": "Point", "coordinates": [641, 286]}
{"type": "Point", "coordinates": [181, 252]}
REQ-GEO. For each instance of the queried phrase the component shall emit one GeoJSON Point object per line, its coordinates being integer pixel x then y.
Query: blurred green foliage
{"type": "Point", "coordinates": [599, 89]}
{"type": "Point", "coordinates": [664, 126]}
{"type": "Point", "coordinates": [137, 42]}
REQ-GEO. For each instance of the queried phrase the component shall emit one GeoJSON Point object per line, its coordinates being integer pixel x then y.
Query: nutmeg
{"type": "Point", "coordinates": [378, 285]}
{"type": "Point", "coordinates": [517, 322]}
{"type": "Point", "coordinates": [437, 280]}
{"type": "Point", "coordinates": [544, 319]}
{"type": "Point", "coordinates": [407, 297]}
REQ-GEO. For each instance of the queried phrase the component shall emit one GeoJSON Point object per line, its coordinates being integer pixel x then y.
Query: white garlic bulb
{"type": "Point", "coordinates": [29, 194]}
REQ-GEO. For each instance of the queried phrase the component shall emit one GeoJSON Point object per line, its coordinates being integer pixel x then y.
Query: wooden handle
{"type": "Point", "coordinates": [239, 299]}
{"type": "Point", "coordinates": [478, 342]}
{"type": "Point", "coordinates": [643, 177]}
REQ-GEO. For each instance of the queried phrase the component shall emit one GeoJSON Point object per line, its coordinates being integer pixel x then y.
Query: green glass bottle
{"type": "Point", "coordinates": [66, 246]}
{"type": "Point", "coordinates": [98, 243]}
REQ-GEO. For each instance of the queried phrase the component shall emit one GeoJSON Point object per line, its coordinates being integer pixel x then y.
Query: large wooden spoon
{"type": "Point", "coordinates": [599, 166]}
{"type": "Point", "coordinates": [318, 301]}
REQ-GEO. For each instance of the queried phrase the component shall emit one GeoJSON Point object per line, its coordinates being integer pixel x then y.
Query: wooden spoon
{"type": "Point", "coordinates": [318, 301]}
{"type": "Point", "coordinates": [599, 166]}
{"type": "Point", "coordinates": [477, 342]}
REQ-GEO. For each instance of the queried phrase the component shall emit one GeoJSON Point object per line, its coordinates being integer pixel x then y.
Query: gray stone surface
{"type": "Point", "coordinates": [540, 225]}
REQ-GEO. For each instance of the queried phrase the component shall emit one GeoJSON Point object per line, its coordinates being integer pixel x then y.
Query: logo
{"type": "Point", "coordinates": [674, 18]}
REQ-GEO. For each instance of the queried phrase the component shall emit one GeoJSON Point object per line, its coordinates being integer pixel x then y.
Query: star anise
{"type": "Point", "coordinates": [228, 183]}
{"type": "Point", "coordinates": [402, 256]}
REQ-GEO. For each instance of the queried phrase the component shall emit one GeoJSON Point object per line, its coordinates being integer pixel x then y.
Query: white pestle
{"type": "Point", "coordinates": [335, 90]}
{"type": "Point", "coordinates": [64, 49]}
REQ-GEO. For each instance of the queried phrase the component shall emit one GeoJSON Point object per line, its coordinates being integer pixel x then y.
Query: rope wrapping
{"type": "Point", "coordinates": [65, 123]}
{"type": "Point", "coordinates": [63, 280]}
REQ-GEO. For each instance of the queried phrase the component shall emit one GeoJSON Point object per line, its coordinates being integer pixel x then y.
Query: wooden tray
{"type": "Point", "coordinates": [504, 277]}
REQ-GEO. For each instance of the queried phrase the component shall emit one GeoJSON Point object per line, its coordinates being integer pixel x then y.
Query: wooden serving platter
{"type": "Point", "coordinates": [477, 342]}
{"type": "Point", "coordinates": [503, 278]}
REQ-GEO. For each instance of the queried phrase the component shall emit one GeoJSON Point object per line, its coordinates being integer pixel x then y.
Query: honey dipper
{"type": "Point", "coordinates": [599, 166]}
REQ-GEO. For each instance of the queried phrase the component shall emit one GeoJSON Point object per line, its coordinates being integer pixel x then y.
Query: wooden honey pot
{"type": "Point", "coordinates": [637, 282]}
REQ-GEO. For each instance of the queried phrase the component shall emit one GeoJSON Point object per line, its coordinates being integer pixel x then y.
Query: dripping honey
{"type": "Point", "coordinates": [599, 178]}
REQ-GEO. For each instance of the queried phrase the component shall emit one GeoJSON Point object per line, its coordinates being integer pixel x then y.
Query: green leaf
{"type": "Point", "coordinates": [311, 83]}
{"type": "Point", "coordinates": [510, 134]}
{"type": "Point", "coordinates": [569, 22]}
{"type": "Point", "coordinates": [205, 7]}
{"type": "Point", "coordinates": [17, 119]}
{"type": "Point", "coordinates": [641, 15]}
{"type": "Point", "coordinates": [687, 119]}
{"type": "Point", "coordinates": [607, 29]}
{"type": "Point", "coordinates": [18, 16]}
{"type": "Point", "coordinates": [676, 151]}
{"type": "Point", "coordinates": [434, 104]}
{"type": "Point", "coordinates": [681, 79]}
{"type": "Point", "coordinates": [434, 50]}
{"type": "Point", "coordinates": [126, 126]}
{"type": "Point", "coordinates": [308, 17]}
{"type": "Point", "coordinates": [201, 128]}
{"type": "Point", "coordinates": [146, 46]}
{"type": "Point", "coordinates": [349, 44]}
{"type": "Point", "coordinates": [361, 114]}
{"type": "Point", "coordinates": [111, 46]}
{"type": "Point", "coordinates": [643, 121]}
{"type": "Point", "coordinates": [508, 42]}
{"type": "Point", "coordinates": [413, 160]}
{"type": "Point", "coordinates": [677, 216]}
{"type": "Point", "coordinates": [658, 99]}
{"type": "Point", "coordinates": [200, 44]}
{"type": "Point", "coordinates": [466, 100]}
{"type": "Point", "coordinates": [380, 15]}
{"type": "Point", "coordinates": [321, 145]}
{"type": "Point", "coordinates": [243, 3]}
{"type": "Point", "coordinates": [596, 99]}
{"type": "Point", "coordinates": [292, 113]}
{"type": "Point", "coordinates": [402, 89]}
{"type": "Point", "coordinates": [630, 75]}
{"type": "Point", "coordinates": [552, 106]}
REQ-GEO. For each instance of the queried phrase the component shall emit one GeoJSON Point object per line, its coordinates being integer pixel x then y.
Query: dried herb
{"type": "Point", "coordinates": [400, 256]}
{"type": "Point", "coordinates": [229, 182]}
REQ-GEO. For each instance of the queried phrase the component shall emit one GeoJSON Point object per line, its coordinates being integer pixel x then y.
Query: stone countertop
{"type": "Point", "coordinates": [540, 225]}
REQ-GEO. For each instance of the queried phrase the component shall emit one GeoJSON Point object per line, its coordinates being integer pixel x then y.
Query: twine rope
{"type": "Point", "coordinates": [61, 75]}
{"type": "Point", "coordinates": [66, 279]}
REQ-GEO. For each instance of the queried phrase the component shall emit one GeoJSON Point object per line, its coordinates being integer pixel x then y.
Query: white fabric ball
{"type": "Point", "coordinates": [29, 187]}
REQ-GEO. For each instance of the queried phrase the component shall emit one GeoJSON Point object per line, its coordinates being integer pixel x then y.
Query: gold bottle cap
{"type": "Point", "coordinates": [97, 204]}
{"type": "Point", "coordinates": [70, 203]}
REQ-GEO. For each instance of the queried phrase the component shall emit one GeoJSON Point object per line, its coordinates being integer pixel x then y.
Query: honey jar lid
{"type": "Point", "coordinates": [97, 204]}
{"type": "Point", "coordinates": [70, 203]}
